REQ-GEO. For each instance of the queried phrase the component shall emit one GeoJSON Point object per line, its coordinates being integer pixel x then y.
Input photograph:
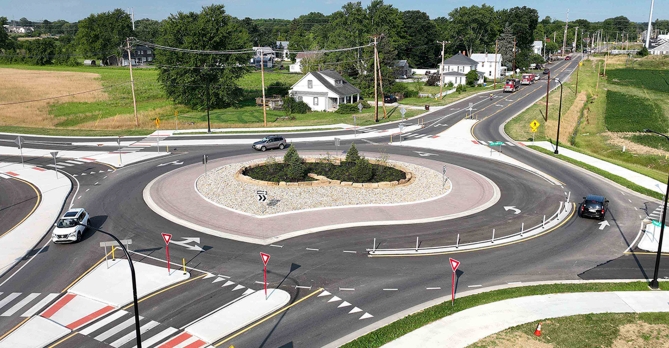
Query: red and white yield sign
{"type": "Point", "coordinates": [454, 264]}
{"type": "Point", "coordinates": [265, 260]}
{"type": "Point", "coordinates": [166, 237]}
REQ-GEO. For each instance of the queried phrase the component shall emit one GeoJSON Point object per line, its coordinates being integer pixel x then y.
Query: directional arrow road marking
{"type": "Point", "coordinates": [603, 224]}
{"type": "Point", "coordinates": [425, 154]}
{"type": "Point", "coordinates": [516, 210]}
{"type": "Point", "coordinates": [184, 243]}
{"type": "Point", "coordinates": [174, 163]}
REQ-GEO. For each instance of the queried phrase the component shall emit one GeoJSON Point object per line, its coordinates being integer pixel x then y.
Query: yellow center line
{"type": "Point", "coordinates": [268, 317]}
{"type": "Point", "coordinates": [63, 340]}
{"type": "Point", "coordinates": [39, 200]}
{"type": "Point", "coordinates": [14, 328]}
{"type": "Point", "coordinates": [163, 290]}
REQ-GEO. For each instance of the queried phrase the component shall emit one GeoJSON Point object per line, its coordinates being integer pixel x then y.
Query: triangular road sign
{"type": "Point", "coordinates": [265, 258]}
{"type": "Point", "coordinates": [454, 264]}
{"type": "Point", "coordinates": [166, 237]}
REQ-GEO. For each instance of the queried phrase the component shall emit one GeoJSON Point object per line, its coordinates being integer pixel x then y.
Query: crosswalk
{"type": "Point", "coordinates": [416, 135]}
{"type": "Point", "coordinates": [487, 143]}
{"type": "Point", "coordinates": [149, 141]}
{"type": "Point", "coordinates": [24, 305]}
{"type": "Point", "coordinates": [657, 213]}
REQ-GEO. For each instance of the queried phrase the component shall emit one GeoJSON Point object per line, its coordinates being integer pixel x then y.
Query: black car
{"type": "Point", "coordinates": [594, 206]}
{"type": "Point", "coordinates": [546, 71]}
{"type": "Point", "coordinates": [390, 99]}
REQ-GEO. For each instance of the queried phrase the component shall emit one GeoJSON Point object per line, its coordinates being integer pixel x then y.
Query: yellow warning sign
{"type": "Point", "coordinates": [534, 125]}
{"type": "Point", "coordinates": [157, 122]}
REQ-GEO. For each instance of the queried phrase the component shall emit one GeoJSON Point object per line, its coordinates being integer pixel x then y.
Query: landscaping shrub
{"type": "Point", "coordinates": [629, 113]}
{"type": "Point", "coordinates": [643, 52]}
{"type": "Point", "coordinates": [292, 106]}
{"type": "Point", "coordinates": [461, 88]}
{"type": "Point", "coordinates": [352, 155]}
{"type": "Point", "coordinates": [362, 171]}
{"type": "Point", "coordinates": [472, 78]}
{"type": "Point", "coordinates": [450, 84]}
{"type": "Point", "coordinates": [278, 88]}
{"type": "Point", "coordinates": [433, 80]}
{"type": "Point", "coordinates": [347, 109]}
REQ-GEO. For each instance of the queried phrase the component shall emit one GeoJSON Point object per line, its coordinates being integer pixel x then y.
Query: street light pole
{"type": "Point", "coordinates": [557, 139]}
{"type": "Point", "coordinates": [654, 284]}
{"type": "Point", "coordinates": [134, 282]}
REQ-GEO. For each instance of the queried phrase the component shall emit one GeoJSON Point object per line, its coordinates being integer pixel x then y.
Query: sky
{"type": "Point", "coordinates": [73, 10]}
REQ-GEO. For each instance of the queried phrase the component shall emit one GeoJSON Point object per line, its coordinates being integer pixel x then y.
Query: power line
{"type": "Point", "coordinates": [60, 96]}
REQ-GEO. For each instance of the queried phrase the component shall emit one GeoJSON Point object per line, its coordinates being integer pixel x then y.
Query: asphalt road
{"type": "Point", "coordinates": [378, 286]}
{"type": "Point", "coordinates": [17, 201]}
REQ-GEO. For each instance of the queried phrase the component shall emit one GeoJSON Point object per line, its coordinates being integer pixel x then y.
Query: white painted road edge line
{"type": "Point", "coordinates": [312, 249]}
{"type": "Point", "coordinates": [302, 287]}
{"type": "Point", "coordinates": [346, 289]}
{"type": "Point", "coordinates": [514, 283]}
{"type": "Point", "coordinates": [390, 290]}
{"type": "Point", "coordinates": [475, 286]}
{"type": "Point", "coordinates": [350, 251]}
{"type": "Point", "coordinates": [434, 288]}
{"type": "Point", "coordinates": [276, 246]}
{"type": "Point", "coordinates": [635, 239]}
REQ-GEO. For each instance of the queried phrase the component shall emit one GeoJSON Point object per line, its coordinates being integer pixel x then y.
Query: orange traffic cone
{"type": "Point", "coordinates": [537, 332]}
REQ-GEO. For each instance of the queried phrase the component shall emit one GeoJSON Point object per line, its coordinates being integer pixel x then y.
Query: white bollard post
{"type": "Point", "coordinates": [522, 228]}
{"type": "Point", "coordinates": [568, 196]}
{"type": "Point", "coordinates": [457, 242]}
{"type": "Point", "coordinates": [416, 244]}
{"type": "Point", "coordinates": [543, 224]}
{"type": "Point", "coordinates": [374, 246]}
{"type": "Point", "coordinates": [493, 236]}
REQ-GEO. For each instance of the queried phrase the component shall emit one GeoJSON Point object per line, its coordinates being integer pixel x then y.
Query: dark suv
{"type": "Point", "coordinates": [270, 142]}
{"type": "Point", "coordinates": [594, 206]}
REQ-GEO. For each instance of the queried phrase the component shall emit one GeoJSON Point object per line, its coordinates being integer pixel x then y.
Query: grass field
{"type": "Point", "coordinates": [630, 113]}
{"type": "Point", "coordinates": [648, 330]}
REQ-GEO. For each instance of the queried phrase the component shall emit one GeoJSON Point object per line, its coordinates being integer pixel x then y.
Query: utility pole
{"type": "Point", "coordinates": [132, 16]}
{"type": "Point", "coordinates": [208, 119]}
{"type": "Point", "coordinates": [383, 96]}
{"type": "Point", "coordinates": [262, 79]}
{"type": "Point", "coordinates": [132, 82]}
{"type": "Point", "coordinates": [650, 18]}
{"type": "Point", "coordinates": [564, 42]}
{"type": "Point", "coordinates": [441, 70]}
{"type": "Point", "coordinates": [514, 55]}
{"type": "Point", "coordinates": [376, 94]}
{"type": "Point", "coordinates": [494, 79]}
{"type": "Point", "coordinates": [548, 89]}
{"type": "Point", "coordinates": [575, 40]}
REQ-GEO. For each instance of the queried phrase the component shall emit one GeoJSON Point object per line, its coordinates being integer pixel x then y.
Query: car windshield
{"type": "Point", "coordinates": [591, 204]}
{"type": "Point", "coordinates": [65, 223]}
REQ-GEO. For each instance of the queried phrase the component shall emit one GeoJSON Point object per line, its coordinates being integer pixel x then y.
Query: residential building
{"type": "Point", "coordinates": [282, 50]}
{"type": "Point", "coordinates": [140, 55]}
{"type": "Point", "coordinates": [402, 69]}
{"type": "Point", "coordinates": [489, 64]}
{"type": "Point", "coordinates": [14, 29]}
{"type": "Point", "coordinates": [455, 69]}
{"type": "Point", "coordinates": [268, 61]}
{"type": "Point", "coordinates": [297, 66]}
{"type": "Point", "coordinates": [266, 51]}
{"type": "Point", "coordinates": [324, 90]}
{"type": "Point", "coordinates": [538, 47]}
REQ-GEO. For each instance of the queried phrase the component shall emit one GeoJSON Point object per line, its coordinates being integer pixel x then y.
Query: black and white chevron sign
{"type": "Point", "coordinates": [262, 195]}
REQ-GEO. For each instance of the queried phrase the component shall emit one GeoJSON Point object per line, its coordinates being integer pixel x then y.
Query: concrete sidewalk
{"type": "Point", "coordinates": [24, 237]}
{"type": "Point", "coordinates": [469, 326]}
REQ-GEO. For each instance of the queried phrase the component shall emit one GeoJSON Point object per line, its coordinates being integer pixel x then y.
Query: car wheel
{"type": "Point", "coordinates": [281, 146]}
{"type": "Point", "coordinates": [602, 218]}
{"type": "Point", "coordinates": [78, 237]}
{"type": "Point", "coordinates": [263, 149]}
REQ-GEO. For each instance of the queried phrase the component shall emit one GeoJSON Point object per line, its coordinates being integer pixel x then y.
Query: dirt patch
{"type": "Point", "coordinates": [619, 140]}
{"type": "Point", "coordinates": [642, 334]}
{"type": "Point", "coordinates": [24, 85]}
{"type": "Point", "coordinates": [512, 340]}
{"type": "Point", "coordinates": [568, 120]}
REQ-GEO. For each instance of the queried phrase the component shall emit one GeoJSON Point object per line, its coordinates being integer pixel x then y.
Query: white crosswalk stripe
{"type": "Point", "coordinates": [9, 298]}
{"type": "Point", "coordinates": [55, 166]}
{"type": "Point", "coordinates": [15, 308]}
{"type": "Point", "coordinates": [116, 329]}
{"type": "Point", "coordinates": [130, 336]}
{"type": "Point", "coordinates": [39, 305]}
{"type": "Point", "coordinates": [97, 326]}
{"type": "Point", "coordinates": [510, 143]}
{"type": "Point", "coordinates": [158, 337]}
{"type": "Point", "coordinates": [74, 162]}
{"type": "Point", "coordinates": [4, 176]}
{"type": "Point", "coordinates": [483, 142]}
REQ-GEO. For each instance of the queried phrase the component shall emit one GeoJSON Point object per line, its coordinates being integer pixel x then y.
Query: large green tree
{"type": "Point", "coordinates": [147, 30]}
{"type": "Point", "coordinates": [421, 50]}
{"type": "Point", "coordinates": [4, 38]}
{"type": "Point", "coordinates": [41, 51]}
{"type": "Point", "coordinates": [473, 28]}
{"type": "Point", "coordinates": [187, 78]}
{"type": "Point", "coordinates": [103, 34]}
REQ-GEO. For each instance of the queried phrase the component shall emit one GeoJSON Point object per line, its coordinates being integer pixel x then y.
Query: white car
{"type": "Point", "coordinates": [67, 229]}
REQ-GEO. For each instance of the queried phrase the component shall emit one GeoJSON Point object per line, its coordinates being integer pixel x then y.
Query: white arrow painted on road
{"type": "Point", "coordinates": [184, 243]}
{"type": "Point", "coordinates": [425, 154]}
{"type": "Point", "coordinates": [516, 210]}
{"type": "Point", "coordinates": [603, 224]}
{"type": "Point", "coordinates": [174, 163]}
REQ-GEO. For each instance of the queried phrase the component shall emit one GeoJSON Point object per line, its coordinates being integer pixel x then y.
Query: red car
{"type": "Point", "coordinates": [567, 58]}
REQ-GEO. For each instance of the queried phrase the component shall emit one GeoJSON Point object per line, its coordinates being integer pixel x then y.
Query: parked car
{"type": "Point", "coordinates": [270, 142]}
{"type": "Point", "coordinates": [594, 206]}
{"type": "Point", "coordinates": [547, 71]}
{"type": "Point", "coordinates": [390, 99]}
{"type": "Point", "coordinates": [69, 228]}
{"type": "Point", "coordinates": [567, 58]}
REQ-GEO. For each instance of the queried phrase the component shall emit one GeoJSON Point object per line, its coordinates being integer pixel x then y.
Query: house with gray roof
{"type": "Point", "coordinates": [324, 90]}
{"type": "Point", "coordinates": [455, 69]}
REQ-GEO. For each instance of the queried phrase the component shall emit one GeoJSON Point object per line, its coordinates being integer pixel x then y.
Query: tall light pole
{"type": "Point", "coordinates": [134, 282]}
{"type": "Point", "coordinates": [557, 139]}
{"type": "Point", "coordinates": [650, 21]}
{"type": "Point", "coordinates": [654, 283]}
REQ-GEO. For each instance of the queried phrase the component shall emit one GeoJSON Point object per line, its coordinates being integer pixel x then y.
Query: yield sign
{"type": "Point", "coordinates": [454, 264]}
{"type": "Point", "coordinates": [265, 258]}
{"type": "Point", "coordinates": [166, 237]}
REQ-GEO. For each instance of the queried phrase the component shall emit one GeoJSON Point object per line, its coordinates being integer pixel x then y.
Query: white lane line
{"type": "Point", "coordinates": [513, 283]}
{"type": "Point", "coordinates": [640, 217]}
{"type": "Point", "coordinates": [96, 183]}
{"type": "Point", "coordinates": [79, 197]}
{"type": "Point", "coordinates": [159, 337]}
{"type": "Point", "coordinates": [389, 289]}
{"type": "Point", "coordinates": [9, 298]}
{"type": "Point", "coordinates": [39, 305]}
{"type": "Point", "coordinates": [276, 246]}
{"type": "Point", "coordinates": [475, 286]}
{"type": "Point", "coordinates": [350, 251]}
{"type": "Point", "coordinates": [635, 239]}
{"type": "Point", "coordinates": [433, 288]}
{"type": "Point", "coordinates": [55, 166]}
{"type": "Point", "coordinates": [15, 308]}
{"type": "Point", "coordinates": [116, 329]}
{"type": "Point", "coordinates": [105, 177]}
{"type": "Point", "coordinates": [125, 339]}
{"type": "Point", "coordinates": [87, 190]}
{"type": "Point", "coordinates": [346, 289]}
{"type": "Point", "coordinates": [97, 326]}
{"type": "Point", "coordinates": [259, 282]}
{"type": "Point", "coordinates": [635, 208]}
{"type": "Point", "coordinates": [623, 193]}
{"type": "Point", "coordinates": [302, 287]}
{"type": "Point", "coordinates": [66, 164]}
{"type": "Point", "coordinates": [74, 162]}
{"type": "Point", "coordinates": [312, 249]}
{"type": "Point", "coordinates": [629, 200]}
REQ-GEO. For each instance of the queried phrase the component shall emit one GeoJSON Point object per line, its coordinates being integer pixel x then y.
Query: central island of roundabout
{"type": "Point", "coordinates": [230, 201]}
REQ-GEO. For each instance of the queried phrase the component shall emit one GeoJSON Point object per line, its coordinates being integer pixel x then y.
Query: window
{"type": "Point", "coordinates": [489, 73]}
{"type": "Point", "coordinates": [338, 83]}
{"type": "Point", "coordinates": [299, 98]}
{"type": "Point", "coordinates": [315, 101]}
{"type": "Point", "coordinates": [483, 64]}
{"type": "Point", "coordinates": [310, 84]}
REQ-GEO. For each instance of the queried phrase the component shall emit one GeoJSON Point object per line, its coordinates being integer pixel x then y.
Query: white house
{"type": "Point", "coordinates": [660, 50]}
{"type": "Point", "coordinates": [324, 90]}
{"type": "Point", "coordinates": [489, 64]}
{"type": "Point", "coordinates": [537, 46]}
{"type": "Point", "coordinates": [297, 66]}
{"type": "Point", "coordinates": [455, 69]}
{"type": "Point", "coordinates": [282, 49]}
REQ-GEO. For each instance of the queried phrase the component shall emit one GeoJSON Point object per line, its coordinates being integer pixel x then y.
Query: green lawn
{"type": "Point", "coordinates": [447, 99]}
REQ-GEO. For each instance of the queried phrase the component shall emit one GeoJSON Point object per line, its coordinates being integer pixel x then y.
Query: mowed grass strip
{"type": "Point", "coordinates": [412, 322]}
{"type": "Point", "coordinates": [630, 113]}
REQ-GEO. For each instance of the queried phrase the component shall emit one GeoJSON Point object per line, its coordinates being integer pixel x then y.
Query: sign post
{"type": "Point", "coordinates": [54, 154]}
{"type": "Point", "coordinates": [265, 260]}
{"type": "Point", "coordinates": [336, 141]}
{"type": "Point", "coordinates": [403, 111]}
{"type": "Point", "coordinates": [454, 267]}
{"type": "Point", "coordinates": [120, 160]}
{"type": "Point", "coordinates": [534, 125]}
{"type": "Point", "coordinates": [167, 238]}
{"type": "Point", "coordinates": [401, 129]}
{"type": "Point", "coordinates": [19, 141]}
{"type": "Point", "coordinates": [205, 159]}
